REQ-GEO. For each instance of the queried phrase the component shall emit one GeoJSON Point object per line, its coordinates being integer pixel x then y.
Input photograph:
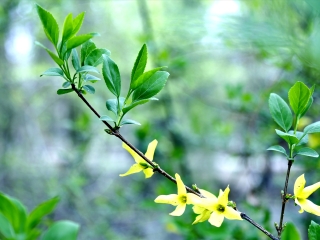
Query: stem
{"type": "Point", "coordinates": [156, 167]}
{"type": "Point", "coordinates": [247, 218]}
{"type": "Point", "coordinates": [284, 200]}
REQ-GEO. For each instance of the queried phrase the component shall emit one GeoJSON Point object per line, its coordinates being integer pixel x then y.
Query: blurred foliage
{"type": "Point", "coordinates": [212, 119]}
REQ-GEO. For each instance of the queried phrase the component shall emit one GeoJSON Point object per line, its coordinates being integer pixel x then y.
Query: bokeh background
{"type": "Point", "coordinates": [212, 120]}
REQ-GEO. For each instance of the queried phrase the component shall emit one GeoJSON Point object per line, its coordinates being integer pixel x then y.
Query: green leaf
{"type": "Point", "coordinates": [14, 211]}
{"type": "Point", "coordinates": [75, 59]}
{"type": "Point", "coordinates": [289, 138]}
{"type": "Point", "coordinates": [6, 228]}
{"type": "Point", "coordinates": [89, 89]}
{"type": "Point", "coordinates": [67, 27]}
{"type": "Point", "coordinates": [77, 23]}
{"type": "Point", "coordinates": [314, 231]}
{"type": "Point", "coordinates": [280, 112]}
{"type": "Point", "coordinates": [77, 41]}
{"type": "Point", "coordinates": [299, 96]}
{"type": "Point", "coordinates": [151, 86]}
{"type": "Point", "coordinates": [50, 25]}
{"type": "Point", "coordinates": [53, 72]}
{"type": "Point", "coordinates": [66, 84]}
{"type": "Point", "coordinates": [64, 91]}
{"type": "Point", "coordinates": [86, 48]}
{"type": "Point", "coordinates": [40, 211]}
{"type": "Point", "coordinates": [303, 139]}
{"type": "Point", "coordinates": [278, 148]}
{"type": "Point", "coordinates": [136, 103]}
{"type": "Point", "coordinates": [112, 104]}
{"type": "Point", "coordinates": [129, 121]}
{"type": "Point", "coordinates": [144, 77]}
{"type": "Point", "coordinates": [307, 152]}
{"type": "Point", "coordinates": [290, 233]}
{"type": "Point", "coordinates": [87, 68]}
{"type": "Point", "coordinates": [94, 58]}
{"type": "Point", "coordinates": [52, 55]}
{"type": "Point", "coordinates": [107, 119]}
{"type": "Point", "coordinates": [139, 64]}
{"type": "Point", "coordinates": [62, 230]}
{"type": "Point", "coordinates": [307, 107]}
{"type": "Point", "coordinates": [111, 75]}
{"type": "Point", "coordinates": [89, 77]}
{"type": "Point", "coordinates": [312, 128]}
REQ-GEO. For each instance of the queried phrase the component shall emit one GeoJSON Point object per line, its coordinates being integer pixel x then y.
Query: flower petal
{"type": "Point", "coordinates": [299, 185]}
{"type": "Point", "coordinates": [207, 194]}
{"type": "Point", "coordinates": [168, 199]}
{"type": "Point", "coordinates": [133, 169]}
{"type": "Point", "coordinates": [307, 191]}
{"type": "Point", "coordinates": [135, 156]}
{"type": "Point", "coordinates": [309, 206]}
{"type": "Point", "coordinates": [181, 188]}
{"type": "Point", "coordinates": [208, 203]}
{"type": "Point", "coordinates": [151, 148]}
{"type": "Point", "coordinates": [216, 219]}
{"type": "Point", "coordinates": [205, 215]}
{"type": "Point", "coordinates": [193, 199]}
{"type": "Point", "coordinates": [197, 209]}
{"type": "Point", "coordinates": [223, 197]}
{"type": "Point", "coordinates": [148, 172]}
{"type": "Point", "coordinates": [230, 213]}
{"type": "Point", "coordinates": [179, 210]}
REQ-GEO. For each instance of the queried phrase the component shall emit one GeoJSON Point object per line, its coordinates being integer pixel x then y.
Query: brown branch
{"type": "Point", "coordinates": [156, 167]}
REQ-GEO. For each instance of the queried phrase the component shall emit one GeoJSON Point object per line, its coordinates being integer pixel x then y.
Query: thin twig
{"type": "Point", "coordinates": [280, 228]}
{"type": "Point", "coordinates": [156, 167]}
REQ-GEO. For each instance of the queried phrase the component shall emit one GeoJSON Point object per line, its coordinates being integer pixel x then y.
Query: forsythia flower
{"type": "Point", "coordinates": [218, 208]}
{"type": "Point", "coordinates": [180, 200]}
{"type": "Point", "coordinates": [141, 165]}
{"type": "Point", "coordinates": [204, 214]}
{"type": "Point", "coordinates": [302, 193]}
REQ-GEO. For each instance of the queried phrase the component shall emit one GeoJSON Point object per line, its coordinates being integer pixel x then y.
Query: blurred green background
{"type": "Point", "coordinates": [212, 120]}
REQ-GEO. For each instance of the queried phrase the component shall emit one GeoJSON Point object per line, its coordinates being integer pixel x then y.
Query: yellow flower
{"type": "Point", "coordinates": [141, 165]}
{"type": "Point", "coordinates": [302, 193]}
{"type": "Point", "coordinates": [180, 200]}
{"type": "Point", "coordinates": [218, 208]}
{"type": "Point", "coordinates": [204, 214]}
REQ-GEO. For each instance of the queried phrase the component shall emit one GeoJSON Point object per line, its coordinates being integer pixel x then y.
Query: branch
{"type": "Point", "coordinates": [156, 167]}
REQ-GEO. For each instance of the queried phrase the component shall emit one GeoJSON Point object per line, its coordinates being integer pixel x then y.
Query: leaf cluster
{"type": "Point", "coordinates": [17, 223]}
{"type": "Point", "coordinates": [300, 100]}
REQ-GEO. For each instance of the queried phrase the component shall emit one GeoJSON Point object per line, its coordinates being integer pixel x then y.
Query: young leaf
{"type": "Point", "coordinates": [151, 86]}
{"type": "Point", "coordinates": [6, 228]}
{"type": "Point", "coordinates": [77, 41]}
{"type": "Point", "coordinates": [143, 78]}
{"type": "Point", "coordinates": [299, 96]}
{"type": "Point", "coordinates": [89, 89]}
{"type": "Point", "coordinates": [62, 230]}
{"type": "Point", "coordinates": [64, 91]}
{"type": "Point", "coordinates": [86, 48]}
{"type": "Point", "coordinates": [77, 23]}
{"type": "Point", "coordinates": [94, 58]}
{"type": "Point", "coordinates": [307, 152]}
{"type": "Point", "coordinates": [107, 119]}
{"type": "Point", "coordinates": [66, 84]}
{"type": "Point", "coordinates": [136, 103]}
{"type": "Point", "coordinates": [290, 233]}
{"type": "Point", "coordinates": [111, 75]}
{"type": "Point", "coordinates": [53, 72]}
{"type": "Point", "coordinates": [140, 63]}
{"type": "Point", "coordinates": [52, 55]}
{"type": "Point", "coordinates": [67, 27]}
{"type": "Point", "coordinates": [314, 231]}
{"type": "Point", "coordinates": [112, 105]}
{"type": "Point", "coordinates": [40, 211]}
{"type": "Point", "coordinates": [289, 138]}
{"type": "Point", "coordinates": [75, 59]}
{"type": "Point", "coordinates": [307, 107]}
{"type": "Point", "coordinates": [278, 148]}
{"type": "Point", "coordinates": [303, 139]}
{"type": "Point", "coordinates": [50, 25]}
{"type": "Point", "coordinates": [129, 121]}
{"type": "Point", "coordinates": [91, 78]}
{"type": "Point", "coordinates": [280, 111]}
{"type": "Point", "coordinates": [312, 128]}
{"type": "Point", "coordinates": [87, 68]}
